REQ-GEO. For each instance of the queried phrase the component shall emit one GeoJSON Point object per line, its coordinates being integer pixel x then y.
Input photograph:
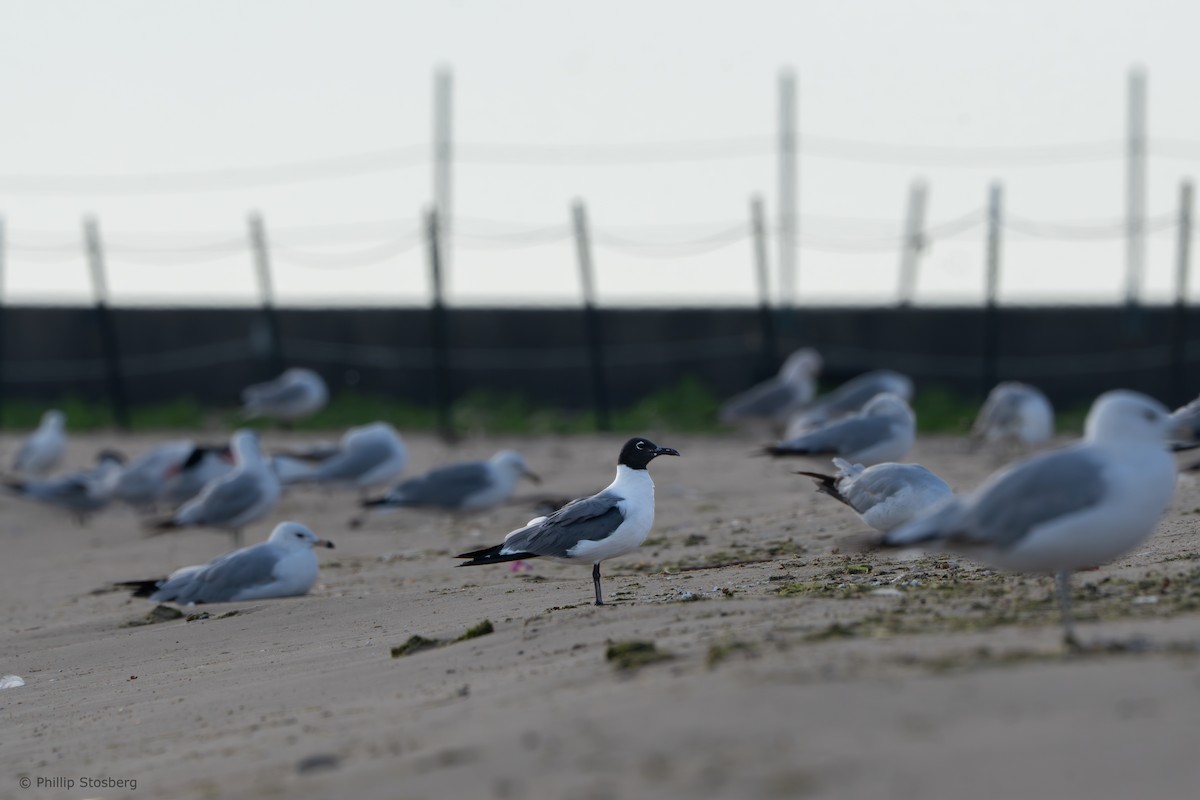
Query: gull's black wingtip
{"type": "Point", "coordinates": [140, 588]}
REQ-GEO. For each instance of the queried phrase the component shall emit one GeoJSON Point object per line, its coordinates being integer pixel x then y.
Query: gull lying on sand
{"type": "Point", "coordinates": [849, 398]}
{"type": "Point", "coordinates": [294, 395]}
{"type": "Point", "coordinates": [885, 495]}
{"type": "Point", "coordinates": [1014, 414]}
{"type": "Point", "coordinates": [885, 430]}
{"type": "Point", "coordinates": [282, 566]}
{"type": "Point", "coordinates": [467, 486]}
{"type": "Point", "coordinates": [43, 449]}
{"type": "Point", "coordinates": [775, 399]}
{"type": "Point", "coordinates": [80, 493]}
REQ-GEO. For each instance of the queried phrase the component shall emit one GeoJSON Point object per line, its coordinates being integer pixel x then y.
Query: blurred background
{"type": "Point", "coordinates": [529, 214]}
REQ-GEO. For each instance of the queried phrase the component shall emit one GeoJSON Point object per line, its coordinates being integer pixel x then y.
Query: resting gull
{"type": "Point", "coordinates": [885, 430]}
{"type": "Point", "coordinates": [43, 449]}
{"type": "Point", "coordinates": [294, 395]}
{"type": "Point", "coordinates": [776, 398]}
{"type": "Point", "coordinates": [885, 495]}
{"type": "Point", "coordinates": [1014, 414]}
{"type": "Point", "coordinates": [80, 493]}
{"type": "Point", "coordinates": [467, 486]}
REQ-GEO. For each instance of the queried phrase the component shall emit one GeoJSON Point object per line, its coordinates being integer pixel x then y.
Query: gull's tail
{"type": "Point", "coordinates": [826, 484]}
{"type": "Point", "coordinates": [140, 588]}
{"type": "Point", "coordinates": [492, 555]}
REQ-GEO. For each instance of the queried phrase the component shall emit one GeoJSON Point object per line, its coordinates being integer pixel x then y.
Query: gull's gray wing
{"type": "Point", "coordinates": [350, 464]}
{"type": "Point", "coordinates": [590, 519]}
{"type": "Point", "coordinates": [1000, 411]}
{"type": "Point", "coordinates": [1006, 508]}
{"type": "Point", "coordinates": [879, 483]}
{"type": "Point", "coordinates": [220, 580]}
{"type": "Point", "coordinates": [226, 498]}
{"type": "Point", "coordinates": [445, 487]}
{"type": "Point", "coordinates": [768, 399]}
{"type": "Point", "coordinates": [274, 393]}
{"type": "Point", "coordinates": [843, 437]}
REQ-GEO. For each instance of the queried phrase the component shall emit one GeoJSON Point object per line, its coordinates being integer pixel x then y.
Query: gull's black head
{"type": "Point", "coordinates": [639, 452]}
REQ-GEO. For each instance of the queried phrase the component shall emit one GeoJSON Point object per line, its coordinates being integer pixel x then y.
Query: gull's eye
{"type": "Point", "coordinates": [299, 535]}
{"type": "Point", "coordinates": [640, 445]}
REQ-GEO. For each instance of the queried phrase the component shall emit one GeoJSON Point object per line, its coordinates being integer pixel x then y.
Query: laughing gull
{"type": "Point", "coordinates": [246, 494]}
{"type": "Point", "coordinates": [885, 495]}
{"type": "Point", "coordinates": [203, 465]}
{"type": "Point", "coordinates": [294, 395]}
{"type": "Point", "coordinates": [1014, 414]}
{"type": "Point", "coordinates": [775, 399]}
{"type": "Point", "coordinates": [469, 486]}
{"type": "Point", "coordinates": [143, 483]}
{"type": "Point", "coordinates": [849, 398]}
{"type": "Point", "coordinates": [282, 566]}
{"type": "Point", "coordinates": [43, 449]}
{"type": "Point", "coordinates": [366, 456]}
{"type": "Point", "coordinates": [80, 493]}
{"type": "Point", "coordinates": [1057, 512]}
{"type": "Point", "coordinates": [884, 430]}
{"type": "Point", "coordinates": [608, 524]}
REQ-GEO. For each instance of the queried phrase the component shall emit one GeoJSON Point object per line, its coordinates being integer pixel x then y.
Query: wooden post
{"type": "Point", "coordinates": [1135, 189]}
{"type": "Point", "coordinates": [3, 330]}
{"type": "Point", "coordinates": [593, 325]}
{"type": "Point", "coordinates": [104, 324]}
{"type": "Point", "coordinates": [443, 151]}
{"type": "Point", "coordinates": [991, 333]}
{"type": "Point", "coordinates": [769, 352]}
{"type": "Point", "coordinates": [913, 243]}
{"type": "Point", "coordinates": [439, 338]}
{"type": "Point", "coordinates": [788, 170]}
{"type": "Point", "coordinates": [266, 291]}
{"type": "Point", "coordinates": [1183, 254]}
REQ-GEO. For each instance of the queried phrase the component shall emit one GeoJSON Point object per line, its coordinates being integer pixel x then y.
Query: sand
{"type": "Point", "coordinates": [792, 671]}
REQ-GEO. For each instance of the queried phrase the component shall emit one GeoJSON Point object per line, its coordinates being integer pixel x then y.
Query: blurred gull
{"type": "Point", "coordinates": [1014, 414]}
{"type": "Point", "coordinates": [246, 494]}
{"type": "Point", "coordinates": [884, 430]}
{"type": "Point", "coordinates": [775, 399]}
{"type": "Point", "coordinates": [282, 566]}
{"type": "Point", "coordinates": [468, 486]}
{"type": "Point", "coordinates": [611, 523]}
{"type": "Point", "coordinates": [203, 465]}
{"type": "Point", "coordinates": [43, 449]}
{"type": "Point", "coordinates": [1077, 507]}
{"type": "Point", "coordinates": [366, 456]}
{"type": "Point", "coordinates": [80, 493]}
{"type": "Point", "coordinates": [885, 495]}
{"type": "Point", "coordinates": [296, 394]}
{"type": "Point", "coordinates": [143, 483]}
{"type": "Point", "coordinates": [849, 398]}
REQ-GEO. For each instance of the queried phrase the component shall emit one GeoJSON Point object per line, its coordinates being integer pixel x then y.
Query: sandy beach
{"type": "Point", "coordinates": [791, 667]}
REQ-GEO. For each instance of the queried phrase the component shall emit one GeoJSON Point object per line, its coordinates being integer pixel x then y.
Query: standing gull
{"type": "Point", "coordinates": [43, 449]}
{"type": "Point", "coordinates": [776, 398]}
{"type": "Point", "coordinates": [885, 430]}
{"type": "Point", "coordinates": [246, 494]}
{"type": "Point", "coordinates": [468, 486]}
{"type": "Point", "coordinates": [610, 523]}
{"type": "Point", "coordinates": [296, 394]}
{"type": "Point", "coordinates": [849, 398]}
{"type": "Point", "coordinates": [1057, 512]}
{"type": "Point", "coordinates": [282, 566]}
{"type": "Point", "coordinates": [885, 495]}
{"type": "Point", "coordinates": [80, 493]}
{"type": "Point", "coordinates": [1015, 414]}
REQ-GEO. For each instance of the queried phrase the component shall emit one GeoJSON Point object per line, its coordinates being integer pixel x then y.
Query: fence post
{"type": "Point", "coordinates": [787, 188]}
{"type": "Point", "coordinates": [104, 323]}
{"type": "Point", "coordinates": [266, 290]}
{"type": "Point", "coordinates": [1183, 254]}
{"type": "Point", "coordinates": [770, 355]}
{"type": "Point", "coordinates": [991, 333]}
{"type": "Point", "coordinates": [438, 330]}
{"type": "Point", "coordinates": [593, 326]}
{"type": "Point", "coordinates": [443, 151]}
{"type": "Point", "coordinates": [1135, 191]}
{"type": "Point", "coordinates": [913, 243]}
{"type": "Point", "coordinates": [3, 331]}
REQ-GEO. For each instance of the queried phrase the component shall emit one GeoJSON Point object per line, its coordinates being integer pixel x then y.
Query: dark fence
{"type": "Point", "coordinates": [208, 354]}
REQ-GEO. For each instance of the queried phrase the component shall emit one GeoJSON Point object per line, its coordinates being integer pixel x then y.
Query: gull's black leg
{"type": "Point", "coordinates": [596, 581]}
{"type": "Point", "coordinates": [1063, 581]}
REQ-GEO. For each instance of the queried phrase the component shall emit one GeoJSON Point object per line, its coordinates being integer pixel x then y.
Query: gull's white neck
{"type": "Point", "coordinates": [629, 482]}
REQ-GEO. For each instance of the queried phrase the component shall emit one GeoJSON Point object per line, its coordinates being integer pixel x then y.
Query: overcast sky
{"type": "Point", "coordinates": [145, 88]}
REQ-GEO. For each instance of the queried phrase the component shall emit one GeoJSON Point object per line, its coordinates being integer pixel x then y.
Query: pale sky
{"type": "Point", "coordinates": [151, 87]}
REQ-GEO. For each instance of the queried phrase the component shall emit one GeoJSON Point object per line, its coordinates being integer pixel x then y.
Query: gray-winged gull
{"type": "Point", "coordinates": [366, 456]}
{"type": "Point", "coordinates": [1014, 414]}
{"type": "Point", "coordinates": [246, 494]}
{"type": "Point", "coordinates": [885, 495]}
{"type": "Point", "coordinates": [1057, 512]}
{"type": "Point", "coordinates": [884, 430]}
{"type": "Point", "coordinates": [43, 449]}
{"type": "Point", "coordinates": [611, 523]}
{"type": "Point", "coordinates": [296, 394]}
{"type": "Point", "coordinates": [80, 493]}
{"type": "Point", "coordinates": [776, 398]}
{"type": "Point", "coordinates": [282, 566]}
{"type": "Point", "coordinates": [467, 486]}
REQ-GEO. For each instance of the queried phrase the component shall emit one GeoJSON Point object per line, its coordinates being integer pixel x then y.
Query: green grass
{"type": "Point", "coordinates": [687, 407]}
